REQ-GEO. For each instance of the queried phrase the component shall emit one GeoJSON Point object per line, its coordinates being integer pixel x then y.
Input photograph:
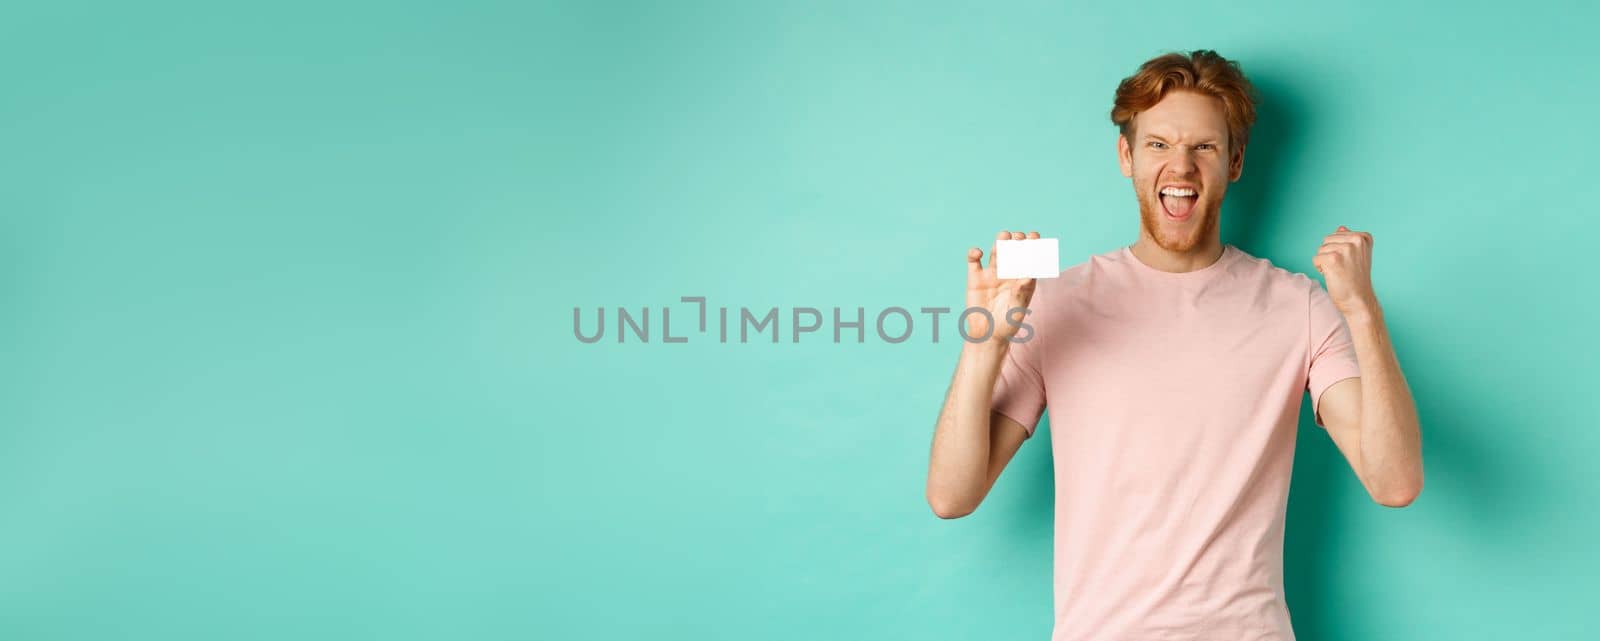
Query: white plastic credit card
{"type": "Point", "coordinates": [1031, 258]}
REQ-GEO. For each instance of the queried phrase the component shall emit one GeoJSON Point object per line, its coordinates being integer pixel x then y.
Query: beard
{"type": "Point", "coordinates": [1181, 237]}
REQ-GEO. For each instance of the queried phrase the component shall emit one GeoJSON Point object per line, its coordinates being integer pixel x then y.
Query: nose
{"type": "Point", "coordinates": [1183, 161]}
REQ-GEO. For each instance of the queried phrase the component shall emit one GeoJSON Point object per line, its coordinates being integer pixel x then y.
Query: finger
{"type": "Point", "coordinates": [974, 260]}
{"type": "Point", "coordinates": [1343, 228]}
{"type": "Point", "coordinates": [1017, 235]}
{"type": "Point", "coordinates": [994, 249]}
{"type": "Point", "coordinates": [1033, 235]}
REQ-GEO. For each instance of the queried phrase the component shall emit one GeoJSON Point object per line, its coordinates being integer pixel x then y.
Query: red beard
{"type": "Point", "coordinates": [1178, 237]}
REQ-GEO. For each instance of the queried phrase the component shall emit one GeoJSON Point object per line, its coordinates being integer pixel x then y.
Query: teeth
{"type": "Point", "coordinates": [1177, 191]}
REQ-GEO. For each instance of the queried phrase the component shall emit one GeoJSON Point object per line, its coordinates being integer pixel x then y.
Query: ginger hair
{"type": "Point", "coordinates": [1202, 71]}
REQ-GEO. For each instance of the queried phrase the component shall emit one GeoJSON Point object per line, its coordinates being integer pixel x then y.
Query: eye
{"type": "Point", "coordinates": [1156, 144]}
{"type": "Point", "coordinates": [1205, 145]}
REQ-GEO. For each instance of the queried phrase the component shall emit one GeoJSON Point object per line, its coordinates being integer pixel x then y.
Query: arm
{"type": "Point", "coordinates": [971, 442]}
{"type": "Point", "coordinates": [1372, 418]}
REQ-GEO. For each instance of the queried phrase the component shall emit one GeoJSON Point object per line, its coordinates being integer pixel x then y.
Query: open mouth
{"type": "Point", "coordinates": [1179, 201]}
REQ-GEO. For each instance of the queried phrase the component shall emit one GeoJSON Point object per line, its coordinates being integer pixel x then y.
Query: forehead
{"type": "Point", "coordinates": [1183, 114]}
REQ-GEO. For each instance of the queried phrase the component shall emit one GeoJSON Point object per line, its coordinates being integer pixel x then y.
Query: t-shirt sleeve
{"type": "Point", "coordinates": [1332, 355]}
{"type": "Point", "coordinates": [1019, 389]}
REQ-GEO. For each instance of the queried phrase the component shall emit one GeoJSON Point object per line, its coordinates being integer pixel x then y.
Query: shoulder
{"type": "Point", "coordinates": [1076, 278]}
{"type": "Point", "coordinates": [1262, 271]}
{"type": "Point", "coordinates": [1054, 297]}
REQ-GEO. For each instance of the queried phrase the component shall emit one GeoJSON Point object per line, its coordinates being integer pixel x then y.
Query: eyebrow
{"type": "Point", "coordinates": [1202, 141]}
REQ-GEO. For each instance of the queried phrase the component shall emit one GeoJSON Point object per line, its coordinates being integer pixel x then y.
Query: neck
{"type": "Point", "coordinates": [1202, 255]}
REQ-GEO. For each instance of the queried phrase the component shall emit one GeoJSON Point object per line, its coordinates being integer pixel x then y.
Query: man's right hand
{"type": "Point", "coordinates": [999, 296]}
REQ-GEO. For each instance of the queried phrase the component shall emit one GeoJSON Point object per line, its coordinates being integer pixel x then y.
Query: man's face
{"type": "Point", "coordinates": [1180, 164]}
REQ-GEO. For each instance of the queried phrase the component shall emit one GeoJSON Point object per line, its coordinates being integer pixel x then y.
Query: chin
{"type": "Point", "coordinates": [1177, 237]}
{"type": "Point", "coordinates": [1177, 243]}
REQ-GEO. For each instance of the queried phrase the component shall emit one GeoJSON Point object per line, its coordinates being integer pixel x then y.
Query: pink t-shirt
{"type": "Point", "coordinates": [1173, 401]}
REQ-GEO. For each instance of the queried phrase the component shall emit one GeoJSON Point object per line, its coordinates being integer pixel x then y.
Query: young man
{"type": "Point", "coordinates": [1174, 370]}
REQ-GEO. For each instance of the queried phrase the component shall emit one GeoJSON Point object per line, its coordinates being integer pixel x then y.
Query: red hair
{"type": "Point", "coordinates": [1201, 71]}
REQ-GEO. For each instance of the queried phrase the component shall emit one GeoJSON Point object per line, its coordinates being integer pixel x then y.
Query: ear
{"type": "Point", "coordinates": [1236, 165]}
{"type": "Point", "coordinates": [1125, 155]}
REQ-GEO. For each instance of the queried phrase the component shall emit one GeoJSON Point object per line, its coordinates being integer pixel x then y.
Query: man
{"type": "Point", "coordinates": [1174, 370]}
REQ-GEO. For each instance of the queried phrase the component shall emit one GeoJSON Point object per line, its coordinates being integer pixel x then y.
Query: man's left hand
{"type": "Point", "coordinates": [1345, 260]}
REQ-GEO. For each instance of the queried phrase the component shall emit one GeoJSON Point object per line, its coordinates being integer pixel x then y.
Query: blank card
{"type": "Point", "coordinates": [1032, 258]}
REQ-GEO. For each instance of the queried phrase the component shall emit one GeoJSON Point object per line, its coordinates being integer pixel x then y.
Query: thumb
{"type": "Point", "coordinates": [1343, 228]}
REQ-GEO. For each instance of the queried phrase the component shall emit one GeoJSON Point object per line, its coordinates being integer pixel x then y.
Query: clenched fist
{"type": "Point", "coordinates": [999, 296]}
{"type": "Point", "coordinates": [1345, 260]}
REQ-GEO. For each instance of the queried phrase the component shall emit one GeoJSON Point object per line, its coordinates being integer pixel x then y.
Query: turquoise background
{"type": "Point", "coordinates": [288, 293]}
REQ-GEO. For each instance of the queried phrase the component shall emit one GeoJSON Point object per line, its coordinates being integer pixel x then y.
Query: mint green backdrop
{"type": "Point", "coordinates": [288, 296]}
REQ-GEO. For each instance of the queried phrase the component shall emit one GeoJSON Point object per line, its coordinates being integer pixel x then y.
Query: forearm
{"type": "Point", "coordinates": [1391, 440]}
{"type": "Point", "coordinates": [958, 466]}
